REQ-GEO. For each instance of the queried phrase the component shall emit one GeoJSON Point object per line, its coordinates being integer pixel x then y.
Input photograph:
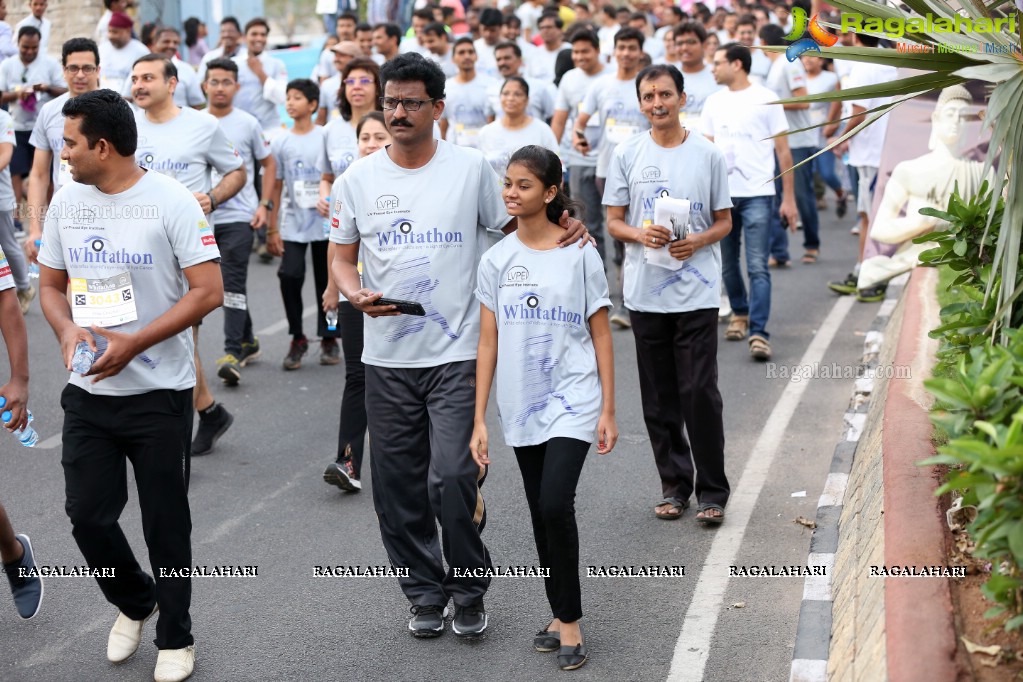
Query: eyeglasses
{"type": "Point", "coordinates": [87, 69]}
{"type": "Point", "coordinates": [409, 105]}
{"type": "Point", "coordinates": [358, 81]}
{"type": "Point", "coordinates": [227, 83]}
{"type": "Point", "coordinates": [688, 41]}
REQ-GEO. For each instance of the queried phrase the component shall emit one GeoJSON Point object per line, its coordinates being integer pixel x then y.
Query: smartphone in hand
{"type": "Point", "coordinates": [404, 307]}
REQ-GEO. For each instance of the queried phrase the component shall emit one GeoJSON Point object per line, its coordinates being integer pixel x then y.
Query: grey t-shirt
{"type": "Point", "coordinates": [699, 86]}
{"type": "Point", "coordinates": [124, 254]}
{"type": "Point", "coordinates": [466, 108]}
{"type": "Point", "coordinates": [783, 78]}
{"type": "Point", "coordinates": [48, 135]}
{"type": "Point", "coordinates": [17, 76]}
{"type": "Point", "coordinates": [547, 381]}
{"type": "Point", "coordinates": [641, 171]}
{"type": "Point", "coordinates": [615, 102]}
{"type": "Point", "coordinates": [250, 97]}
{"type": "Point", "coordinates": [115, 64]}
{"type": "Point", "coordinates": [328, 95]}
{"type": "Point", "coordinates": [422, 233]}
{"type": "Point", "coordinates": [571, 92]}
{"type": "Point", "coordinates": [244, 132]}
{"type": "Point", "coordinates": [340, 147]}
{"type": "Point", "coordinates": [186, 148]}
{"type": "Point", "coordinates": [297, 158]}
{"type": "Point", "coordinates": [499, 143]}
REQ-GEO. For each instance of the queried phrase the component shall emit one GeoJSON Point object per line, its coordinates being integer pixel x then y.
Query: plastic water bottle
{"type": "Point", "coordinates": [332, 320]}
{"type": "Point", "coordinates": [27, 435]}
{"type": "Point", "coordinates": [33, 268]}
{"type": "Point", "coordinates": [84, 357]}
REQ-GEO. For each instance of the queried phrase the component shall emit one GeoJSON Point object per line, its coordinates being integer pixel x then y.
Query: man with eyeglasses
{"type": "Point", "coordinates": [699, 79]}
{"type": "Point", "coordinates": [421, 210]}
{"type": "Point", "coordinates": [236, 220]}
{"type": "Point", "coordinates": [80, 57]}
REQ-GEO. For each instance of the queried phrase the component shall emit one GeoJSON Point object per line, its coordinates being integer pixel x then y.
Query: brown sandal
{"type": "Point", "coordinates": [810, 257]}
{"type": "Point", "coordinates": [759, 348]}
{"type": "Point", "coordinates": [737, 328]}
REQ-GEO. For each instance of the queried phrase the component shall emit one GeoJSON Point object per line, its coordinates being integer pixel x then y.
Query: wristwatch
{"type": "Point", "coordinates": [268, 204]}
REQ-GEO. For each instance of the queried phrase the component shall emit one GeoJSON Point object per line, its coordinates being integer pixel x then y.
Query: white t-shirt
{"type": "Point", "coordinates": [162, 147]}
{"type": "Point", "coordinates": [7, 136]}
{"type": "Point", "coordinates": [760, 66]}
{"type": "Point", "coordinates": [444, 62]}
{"type": "Point", "coordinates": [486, 60]}
{"type": "Point", "coordinates": [44, 25]}
{"type": "Point", "coordinates": [252, 96]}
{"type": "Point", "coordinates": [571, 92]}
{"type": "Point", "coordinates": [542, 62]}
{"type": "Point", "coordinates": [865, 146]}
{"type": "Point", "coordinates": [606, 37]}
{"type": "Point", "coordinates": [245, 133]}
{"type": "Point", "coordinates": [742, 123]}
{"type": "Point", "coordinates": [422, 233]}
{"type": "Point", "coordinates": [529, 15]}
{"type": "Point", "coordinates": [547, 381]}
{"type": "Point", "coordinates": [541, 97]}
{"type": "Point", "coordinates": [142, 237]}
{"type": "Point", "coordinates": [499, 143]}
{"type": "Point", "coordinates": [115, 64]}
{"type": "Point", "coordinates": [614, 103]}
{"type": "Point", "coordinates": [782, 79]}
{"type": "Point", "coordinates": [6, 278]}
{"type": "Point", "coordinates": [641, 171]}
{"type": "Point", "coordinates": [340, 147]}
{"type": "Point", "coordinates": [217, 53]}
{"type": "Point", "coordinates": [466, 109]}
{"type": "Point", "coordinates": [825, 81]}
{"type": "Point", "coordinates": [699, 86]}
{"type": "Point", "coordinates": [328, 96]}
{"type": "Point", "coordinates": [298, 157]}
{"type": "Point", "coordinates": [48, 135]}
{"type": "Point", "coordinates": [17, 76]}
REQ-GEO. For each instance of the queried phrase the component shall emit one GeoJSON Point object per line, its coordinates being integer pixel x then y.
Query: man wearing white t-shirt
{"type": "Point", "coordinates": [162, 127]}
{"type": "Point", "coordinates": [438, 49]}
{"type": "Point", "coordinates": [118, 53]}
{"type": "Point", "coordinates": [490, 36]}
{"type": "Point", "coordinates": [466, 103]}
{"type": "Point", "coordinates": [133, 404]}
{"type": "Point", "coordinates": [230, 45]}
{"type": "Point", "coordinates": [189, 92]}
{"type": "Point", "coordinates": [700, 84]}
{"type": "Point", "coordinates": [35, 19]}
{"type": "Point", "coordinates": [541, 93]}
{"type": "Point", "coordinates": [529, 15]}
{"type": "Point", "coordinates": [741, 121]}
{"type": "Point", "coordinates": [746, 34]}
{"type": "Point", "coordinates": [262, 78]}
{"type": "Point", "coordinates": [674, 302]}
{"type": "Point", "coordinates": [543, 58]}
{"type": "Point", "coordinates": [582, 168]}
{"type": "Point", "coordinates": [421, 210]}
{"type": "Point", "coordinates": [80, 57]}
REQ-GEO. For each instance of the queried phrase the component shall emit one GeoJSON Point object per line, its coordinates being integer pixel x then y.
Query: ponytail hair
{"type": "Point", "coordinates": [546, 166]}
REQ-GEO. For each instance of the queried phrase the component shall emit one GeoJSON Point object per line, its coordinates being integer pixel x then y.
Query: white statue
{"type": "Point", "coordinates": [926, 181]}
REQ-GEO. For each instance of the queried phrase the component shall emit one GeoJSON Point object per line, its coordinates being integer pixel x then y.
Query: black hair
{"type": "Point", "coordinates": [371, 116]}
{"type": "Point", "coordinates": [436, 28]}
{"type": "Point", "coordinates": [146, 35]}
{"type": "Point", "coordinates": [868, 40]}
{"type": "Point", "coordinates": [258, 21]}
{"type": "Point", "coordinates": [222, 63]}
{"type": "Point", "coordinates": [641, 16]}
{"type": "Point", "coordinates": [511, 20]}
{"type": "Point", "coordinates": [772, 35]}
{"type": "Point", "coordinates": [551, 15]}
{"type": "Point", "coordinates": [516, 79]}
{"type": "Point", "coordinates": [191, 31]}
{"type": "Point", "coordinates": [587, 35]}
{"type": "Point", "coordinates": [309, 89]}
{"type": "Point", "coordinates": [169, 70]}
{"type": "Point", "coordinates": [694, 27]}
{"type": "Point", "coordinates": [78, 45]}
{"type": "Point", "coordinates": [166, 29]}
{"type": "Point", "coordinates": [104, 115]}
{"type": "Point", "coordinates": [490, 17]}
{"type": "Point", "coordinates": [747, 19]}
{"type": "Point", "coordinates": [546, 166]}
{"type": "Point", "coordinates": [362, 27]}
{"type": "Point", "coordinates": [679, 13]}
{"type": "Point", "coordinates": [464, 40]}
{"type": "Point", "coordinates": [658, 70]}
{"type": "Point", "coordinates": [390, 30]}
{"type": "Point", "coordinates": [413, 67]}
{"type": "Point", "coordinates": [610, 11]}
{"type": "Point", "coordinates": [349, 16]}
{"type": "Point", "coordinates": [736, 52]}
{"type": "Point", "coordinates": [562, 64]}
{"type": "Point", "coordinates": [365, 64]}
{"type": "Point", "coordinates": [629, 33]}
{"type": "Point", "coordinates": [424, 13]}
{"type": "Point", "coordinates": [28, 32]}
{"type": "Point", "coordinates": [233, 22]}
{"type": "Point", "coordinates": [508, 45]}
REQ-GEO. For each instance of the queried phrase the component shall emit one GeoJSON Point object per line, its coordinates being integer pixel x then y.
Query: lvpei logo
{"type": "Point", "coordinates": [817, 39]}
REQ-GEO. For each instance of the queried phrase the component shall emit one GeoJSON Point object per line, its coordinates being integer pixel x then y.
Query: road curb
{"type": "Point", "coordinates": [813, 632]}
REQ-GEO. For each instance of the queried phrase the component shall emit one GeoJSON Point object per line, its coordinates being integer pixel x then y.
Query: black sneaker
{"type": "Point", "coordinates": [427, 621]}
{"type": "Point", "coordinates": [470, 621]}
{"type": "Point", "coordinates": [844, 287]}
{"type": "Point", "coordinates": [211, 428]}
{"type": "Point", "coordinates": [250, 351]}
{"type": "Point", "coordinates": [342, 474]}
{"type": "Point", "coordinates": [293, 360]}
{"type": "Point", "coordinates": [27, 590]}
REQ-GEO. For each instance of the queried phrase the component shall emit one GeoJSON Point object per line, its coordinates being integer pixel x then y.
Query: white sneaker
{"type": "Point", "coordinates": [725, 309]}
{"type": "Point", "coordinates": [174, 665]}
{"type": "Point", "coordinates": [125, 637]}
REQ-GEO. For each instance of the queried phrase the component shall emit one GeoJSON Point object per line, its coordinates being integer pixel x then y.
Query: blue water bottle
{"type": "Point", "coordinates": [27, 435]}
{"type": "Point", "coordinates": [33, 268]}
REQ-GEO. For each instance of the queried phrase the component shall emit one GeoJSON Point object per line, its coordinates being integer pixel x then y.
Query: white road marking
{"type": "Point", "coordinates": [280, 325]}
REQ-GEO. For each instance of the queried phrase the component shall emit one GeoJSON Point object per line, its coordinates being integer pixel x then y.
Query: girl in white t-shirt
{"type": "Point", "coordinates": [543, 312]}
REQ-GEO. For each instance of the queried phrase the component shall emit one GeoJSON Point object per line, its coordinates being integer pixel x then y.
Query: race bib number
{"type": "Point", "coordinates": [306, 192]}
{"type": "Point", "coordinates": [104, 302]}
{"type": "Point", "coordinates": [64, 173]}
{"type": "Point", "coordinates": [619, 132]}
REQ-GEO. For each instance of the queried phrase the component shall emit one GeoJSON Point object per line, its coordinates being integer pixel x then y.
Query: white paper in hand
{"type": "Point", "coordinates": [673, 214]}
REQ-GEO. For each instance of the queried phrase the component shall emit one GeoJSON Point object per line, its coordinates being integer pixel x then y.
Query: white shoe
{"type": "Point", "coordinates": [174, 665]}
{"type": "Point", "coordinates": [725, 309]}
{"type": "Point", "coordinates": [125, 637]}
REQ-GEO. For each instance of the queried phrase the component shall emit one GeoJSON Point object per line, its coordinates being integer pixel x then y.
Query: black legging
{"type": "Point", "coordinates": [550, 473]}
{"type": "Point", "coordinates": [351, 435]}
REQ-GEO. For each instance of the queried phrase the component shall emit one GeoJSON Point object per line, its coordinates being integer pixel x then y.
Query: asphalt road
{"type": "Point", "coordinates": [260, 500]}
